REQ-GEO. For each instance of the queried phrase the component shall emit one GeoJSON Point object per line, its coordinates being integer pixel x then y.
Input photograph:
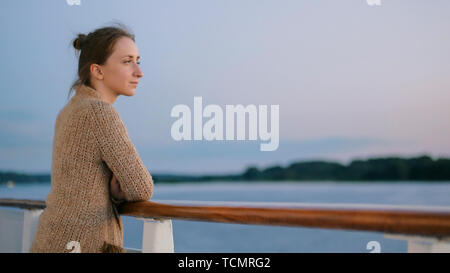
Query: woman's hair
{"type": "Point", "coordinates": [95, 48]}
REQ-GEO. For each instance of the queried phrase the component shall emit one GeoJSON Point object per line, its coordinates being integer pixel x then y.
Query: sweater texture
{"type": "Point", "coordinates": [90, 144]}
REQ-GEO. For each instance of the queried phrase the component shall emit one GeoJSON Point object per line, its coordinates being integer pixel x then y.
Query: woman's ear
{"type": "Point", "coordinates": [96, 71]}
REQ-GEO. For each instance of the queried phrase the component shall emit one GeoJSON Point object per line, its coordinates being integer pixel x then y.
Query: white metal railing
{"type": "Point", "coordinates": [18, 227]}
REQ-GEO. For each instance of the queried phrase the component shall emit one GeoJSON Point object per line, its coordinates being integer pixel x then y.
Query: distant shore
{"type": "Point", "coordinates": [422, 168]}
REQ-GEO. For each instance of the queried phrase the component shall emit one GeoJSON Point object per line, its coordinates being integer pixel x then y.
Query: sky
{"type": "Point", "coordinates": [352, 81]}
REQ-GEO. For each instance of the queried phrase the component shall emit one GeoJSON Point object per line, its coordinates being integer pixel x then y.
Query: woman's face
{"type": "Point", "coordinates": [121, 70]}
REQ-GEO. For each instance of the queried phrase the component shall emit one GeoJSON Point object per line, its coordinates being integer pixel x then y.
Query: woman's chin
{"type": "Point", "coordinates": [130, 92]}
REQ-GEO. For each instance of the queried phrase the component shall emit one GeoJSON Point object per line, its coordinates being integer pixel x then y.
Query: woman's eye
{"type": "Point", "coordinates": [129, 61]}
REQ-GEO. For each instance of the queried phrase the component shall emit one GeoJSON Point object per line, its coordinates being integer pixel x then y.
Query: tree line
{"type": "Point", "coordinates": [422, 168]}
{"type": "Point", "coordinates": [375, 169]}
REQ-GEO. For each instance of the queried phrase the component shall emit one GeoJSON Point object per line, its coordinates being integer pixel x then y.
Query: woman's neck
{"type": "Point", "coordinates": [107, 94]}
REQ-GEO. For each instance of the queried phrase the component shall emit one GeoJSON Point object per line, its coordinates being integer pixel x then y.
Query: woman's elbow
{"type": "Point", "coordinates": [147, 191]}
{"type": "Point", "coordinates": [143, 192]}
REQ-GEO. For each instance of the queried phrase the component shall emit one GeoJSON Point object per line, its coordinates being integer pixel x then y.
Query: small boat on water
{"type": "Point", "coordinates": [10, 184]}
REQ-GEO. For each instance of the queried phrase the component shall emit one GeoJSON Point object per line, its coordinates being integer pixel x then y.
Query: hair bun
{"type": "Point", "coordinates": [79, 41]}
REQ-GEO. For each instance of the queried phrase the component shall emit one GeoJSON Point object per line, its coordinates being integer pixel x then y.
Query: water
{"type": "Point", "coordinates": [196, 236]}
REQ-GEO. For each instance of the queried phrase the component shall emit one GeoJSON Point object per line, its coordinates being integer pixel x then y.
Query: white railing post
{"type": "Point", "coordinates": [420, 244]}
{"type": "Point", "coordinates": [17, 229]}
{"type": "Point", "coordinates": [30, 224]}
{"type": "Point", "coordinates": [157, 235]}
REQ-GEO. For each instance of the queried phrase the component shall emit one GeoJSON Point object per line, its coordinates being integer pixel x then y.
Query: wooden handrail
{"type": "Point", "coordinates": [22, 203]}
{"type": "Point", "coordinates": [388, 220]}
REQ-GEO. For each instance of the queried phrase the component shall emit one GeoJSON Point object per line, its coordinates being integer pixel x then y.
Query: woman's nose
{"type": "Point", "coordinates": [138, 72]}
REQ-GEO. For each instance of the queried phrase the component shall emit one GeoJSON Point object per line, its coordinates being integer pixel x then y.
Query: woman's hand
{"type": "Point", "coordinates": [116, 192]}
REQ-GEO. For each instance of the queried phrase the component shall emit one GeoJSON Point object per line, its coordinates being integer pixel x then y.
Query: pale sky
{"type": "Point", "coordinates": [351, 80]}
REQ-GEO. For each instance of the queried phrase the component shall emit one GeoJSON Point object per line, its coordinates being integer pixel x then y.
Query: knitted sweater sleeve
{"type": "Point", "coordinates": [119, 153]}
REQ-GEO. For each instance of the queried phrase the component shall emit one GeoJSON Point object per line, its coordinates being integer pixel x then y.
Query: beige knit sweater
{"type": "Point", "coordinates": [90, 144]}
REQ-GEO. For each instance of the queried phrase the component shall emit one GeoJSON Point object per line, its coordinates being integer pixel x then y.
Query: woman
{"type": "Point", "coordinates": [95, 166]}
